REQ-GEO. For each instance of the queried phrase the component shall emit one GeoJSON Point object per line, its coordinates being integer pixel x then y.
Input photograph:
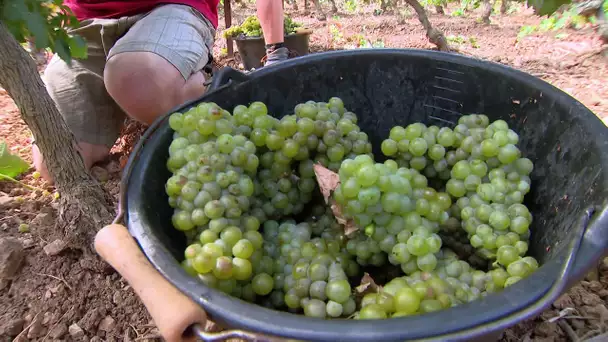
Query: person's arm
{"type": "Point", "coordinates": [270, 14]}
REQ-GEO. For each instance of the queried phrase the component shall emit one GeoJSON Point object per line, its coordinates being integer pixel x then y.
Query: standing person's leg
{"type": "Point", "coordinates": [270, 14]}
{"type": "Point", "coordinates": [159, 63]}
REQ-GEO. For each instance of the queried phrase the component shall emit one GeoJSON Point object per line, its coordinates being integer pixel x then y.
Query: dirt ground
{"type": "Point", "coordinates": [54, 295]}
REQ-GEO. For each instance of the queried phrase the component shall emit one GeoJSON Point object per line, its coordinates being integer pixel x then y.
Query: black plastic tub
{"type": "Point", "coordinates": [386, 87]}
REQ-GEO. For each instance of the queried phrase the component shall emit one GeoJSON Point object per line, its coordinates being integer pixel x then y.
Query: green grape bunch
{"type": "Point", "coordinates": [251, 28]}
{"type": "Point", "coordinates": [244, 194]}
{"type": "Point", "coordinates": [234, 171]}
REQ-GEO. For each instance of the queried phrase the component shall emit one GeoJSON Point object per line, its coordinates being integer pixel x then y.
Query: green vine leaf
{"type": "Point", "coordinates": [63, 50]}
{"type": "Point", "coordinates": [37, 26]}
{"type": "Point", "coordinates": [78, 47]}
{"type": "Point", "coordinates": [46, 23]}
{"type": "Point", "coordinates": [11, 165]}
{"type": "Point", "coordinates": [547, 7]}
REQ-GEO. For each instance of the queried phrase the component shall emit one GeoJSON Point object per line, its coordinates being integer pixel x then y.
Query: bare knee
{"type": "Point", "coordinates": [90, 153]}
{"type": "Point", "coordinates": [146, 86]}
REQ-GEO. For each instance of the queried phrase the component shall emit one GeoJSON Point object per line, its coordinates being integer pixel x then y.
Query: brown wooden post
{"type": "Point", "coordinates": [228, 20]}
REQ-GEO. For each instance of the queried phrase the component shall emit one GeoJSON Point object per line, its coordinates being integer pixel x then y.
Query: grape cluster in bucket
{"type": "Point", "coordinates": [442, 212]}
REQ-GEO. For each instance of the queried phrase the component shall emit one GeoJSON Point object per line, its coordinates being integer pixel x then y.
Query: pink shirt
{"type": "Point", "coordinates": [89, 9]}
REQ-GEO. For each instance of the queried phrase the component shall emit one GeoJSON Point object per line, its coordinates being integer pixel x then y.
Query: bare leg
{"type": "Point", "coordinates": [270, 13]}
{"type": "Point", "coordinates": [90, 153]}
{"type": "Point", "coordinates": [146, 85]}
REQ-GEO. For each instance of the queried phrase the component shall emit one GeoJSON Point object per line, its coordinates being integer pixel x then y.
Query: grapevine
{"type": "Point", "coordinates": [245, 195]}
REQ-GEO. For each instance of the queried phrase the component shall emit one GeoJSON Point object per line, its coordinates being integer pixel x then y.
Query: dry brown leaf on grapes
{"type": "Point", "coordinates": [368, 285]}
{"type": "Point", "coordinates": [328, 182]}
{"type": "Point", "coordinates": [327, 179]}
{"type": "Point", "coordinates": [349, 225]}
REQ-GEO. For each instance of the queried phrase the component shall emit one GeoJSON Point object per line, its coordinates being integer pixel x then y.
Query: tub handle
{"type": "Point", "coordinates": [177, 317]}
{"type": "Point", "coordinates": [203, 335]}
{"type": "Point", "coordinates": [226, 77]}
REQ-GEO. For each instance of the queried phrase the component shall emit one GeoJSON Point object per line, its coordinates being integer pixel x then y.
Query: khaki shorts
{"type": "Point", "coordinates": [178, 33]}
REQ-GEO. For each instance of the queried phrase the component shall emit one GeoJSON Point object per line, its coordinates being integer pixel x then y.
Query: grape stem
{"type": "Point", "coordinates": [33, 188]}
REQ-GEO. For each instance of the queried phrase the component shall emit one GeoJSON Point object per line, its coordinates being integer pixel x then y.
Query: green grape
{"type": "Point", "coordinates": [524, 166]}
{"type": "Point", "coordinates": [519, 268]}
{"type": "Point", "coordinates": [418, 163]}
{"type": "Point", "coordinates": [212, 250]}
{"type": "Point", "coordinates": [367, 175]}
{"type": "Point", "coordinates": [461, 170]}
{"type": "Point", "coordinates": [231, 235]}
{"type": "Point", "coordinates": [389, 147]}
{"type": "Point", "coordinates": [386, 301]}
{"type": "Point", "coordinates": [406, 300]}
{"type": "Point", "coordinates": [338, 290]}
{"type": "Point", "coordinates": [372, 311]}
{"type": "Point", "coordinates": [418, 147]}
{"type": "Point", "coordinates": [512, 280]}
{"type": "Point", "coordinates": [315, 308]}
{"type": "Point", "coordinates": [242, 249]}
{"type": "Point", "coordinates": [318, 272]}
{"type": "Point", "coordinates": [414, 131]}
{"type": "Point", "coordinates": [214, 209]}
{"type": "Point", "coordinates": [203, 263]}
{"type": "Point", "coordinates": [436, 152]}
{"type": "Point", "coordinates": [457, 188]}
{"type": "Point", "coordinates": [300, 270]}
{"type": "Point", "coordinates": [223, 267]}
{"type": "Point", "coordinates": [400, 253]}
{"type": "Point", "coordinates": [434, 243]}
{"type": "Point", "coordinates": [522, 247]}
{"type": "Point", "coordinates": [182, 221]}
{"type": "Point", "coordinates": [417, 245]}
{"type": "Point", "coordinates": [506, 255]}
{"type": "Point", "coordinates": [262, 284]}
{"type": "Point", "coordinates": [508, 154]}
{"type": "Point", "coordinates": [489, 148]}
{"type": "Point", "coordinates": [427, 262]}
{"type": "Point", "coordinates": [499, 220]}
{"type": "Point", "coordinates": [335, 153]}
{"type": "Point", "coordinates": [192, 251]}
{"type": "Point", "coordinates": [317, 289]}
{"type": "Point", "coordinates": [446, 137]}
{"type": "Point", "coordinates": [334, 309]}
{"type": "Point", "coordinates": [258, 108]}
{"type": "Point", "coordinates": [478, 167]}
{"type": "Point", "coordinates": [471, 182]}
{"type": "Point", "coordinates": [208, 236]}
{"type": "Point", "coordinates": [306, 125]}
{"type": "Point", "coordinates": [532, 263]}
{"type": "Point", "coordinates": [292, 300]}
{"type": "Point", "coordinates": [486, 191]}
{"type": "Point", "coordinates": [397, 133]}
{"type": "Point", "coordinates": [430, 305]}
{"type": "Point", "coordinates": [242, 269]}
{"type": "Point", "coordinates": [290, 148]}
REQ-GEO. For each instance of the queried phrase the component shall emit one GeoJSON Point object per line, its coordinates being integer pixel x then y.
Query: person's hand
{"type": "Point", "coordinates": [276, 56]}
